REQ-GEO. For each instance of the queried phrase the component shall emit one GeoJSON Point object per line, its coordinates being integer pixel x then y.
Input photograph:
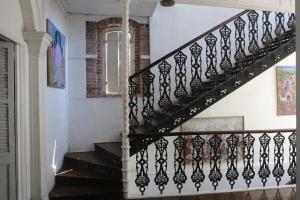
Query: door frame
{"type": "Point", "coordinates": [21, 122]}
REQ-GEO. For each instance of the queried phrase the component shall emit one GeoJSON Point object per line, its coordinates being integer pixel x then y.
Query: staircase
{"type": "Point", "coordinates": [224, 73]}
{"type": "Point", "coordinates": [90, 175]}
{"type": "Point", "coordinates": [154, 109]}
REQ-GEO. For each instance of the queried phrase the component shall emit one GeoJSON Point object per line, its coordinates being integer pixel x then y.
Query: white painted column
{"type": "Point", "coordinates": [38, 43]}
{"type": "Point", "coordinates": [125, 132]}
{"type": "Point", "coordinates": [22, 123]}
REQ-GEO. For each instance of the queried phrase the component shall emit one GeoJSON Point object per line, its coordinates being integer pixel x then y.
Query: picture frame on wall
{"type": "Point", "coordinates": [213, 124]}
{"type": "Point", "coordinates": [286, 90]}
{"type": "Point", "coordinates": [55, 57]}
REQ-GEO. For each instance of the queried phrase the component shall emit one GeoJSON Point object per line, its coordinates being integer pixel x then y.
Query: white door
{"type": "Point", "coordinates": [7, 122]}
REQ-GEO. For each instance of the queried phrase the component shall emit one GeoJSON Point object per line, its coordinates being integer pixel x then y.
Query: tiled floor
{"type": "Point", "coordinates": [270, 194]}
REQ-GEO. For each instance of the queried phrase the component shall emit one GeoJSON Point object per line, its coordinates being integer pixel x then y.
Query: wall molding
{"type": "Point", "coordinates": [38, 43]}
{"type": "Point", "coordinates": [22, 124]}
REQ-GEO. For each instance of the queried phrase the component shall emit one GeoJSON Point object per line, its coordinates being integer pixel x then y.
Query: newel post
{"type": "Point", "coordinates": [125, 131]}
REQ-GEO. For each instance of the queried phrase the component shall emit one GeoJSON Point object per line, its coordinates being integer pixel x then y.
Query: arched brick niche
{"type": "Point", "coordinates": [94, 49]}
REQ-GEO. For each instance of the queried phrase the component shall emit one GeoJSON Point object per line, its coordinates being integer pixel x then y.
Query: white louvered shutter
{"type": "Point", "coordinates": [7, 123]}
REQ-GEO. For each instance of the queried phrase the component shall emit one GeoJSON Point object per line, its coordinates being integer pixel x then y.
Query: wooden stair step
{"type": "Point", "coordinates": [111, 151]}
{"type": "Point", "coordinates": [69, 175]}
{"type": "Point", "coordinates": [176, 107]}
{"type": "Point", "coordinates": [188, 99]}
{"type": "Point", "coordinates": [67, 192]}
{"type": "Point", "coordinates": [90, 160]}
{"type": "Point", "coordinates": [143, 129]}
{"type": "Point", "coordinates": [162, 114]}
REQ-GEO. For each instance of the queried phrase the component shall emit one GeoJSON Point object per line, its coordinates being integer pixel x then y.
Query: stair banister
{"type": "Point", "coordinates": [161, 100]}
{"type": "Point", "coordinates": [236, 166]}
{"type": "Point", "coordinates": [188, 44]}
{"type": "Point", "coordinates": [179, 86]}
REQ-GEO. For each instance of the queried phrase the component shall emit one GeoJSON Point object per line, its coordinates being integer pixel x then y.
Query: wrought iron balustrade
{"type": "Point", "coordinates": [235, 160]}
{"type": "Point", "coordinates": [193, 77]}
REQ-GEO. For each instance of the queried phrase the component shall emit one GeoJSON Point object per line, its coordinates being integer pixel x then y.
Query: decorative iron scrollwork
{"type": "Point", "coordinates": [292, 21]}
{"type": "Point", "coordinates": [279, 30]}
{"type": "Point", "coordinates": [197, 154]}
{"type": "Point", "coordinates": [211, 56]}
{"type": "Point", "coordinates": [196, 69]}
{"type": "Point", "coordinates": [225, 48]}
{"type": "Point", "coordinates": [278, 170]}
{"type": "Point", "coordinates": [267, 29]}
{"type": "Point", "coordinates": [161, 164]}
{"type": "Point", "coordinates": [292, 158]}
{"type": "Point", "coordinates": [148, 97]}
{"type": "Point", "coordinates": [215, 174]}
{"type": "Point", "coordinates": [180, 75]}
{"type": "Point", "coordinates": [164, 85]}
{"type": "Point", "coordinates": [240, 54]}
{"type": "Point", "coordinates": [142, 180]}
{"type": "Point", "coordinates": [179, 163]}
{"type": "Point", "coordinates": [253, 32]}
{"type": "Point", "coordinates": [248, 172]}
{"type": "Point", "coordinates": [232, 172]}
{"type": "Point", "coordinates": [133, 108]}
{"type": "Point", "coordinates": [264, 170]}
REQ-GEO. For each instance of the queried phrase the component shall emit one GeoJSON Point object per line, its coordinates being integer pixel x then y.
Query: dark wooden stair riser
{"type": "Point", "coordinates": [104, 170]}
{"type": "Point", "coordinates": [92, 197]}
{"type": "Point", "coordinates": [105, 153]}
{"type": "Point", "coordinates": [86, 194]}
{"type": "Point", "coordinates": [103, 183]}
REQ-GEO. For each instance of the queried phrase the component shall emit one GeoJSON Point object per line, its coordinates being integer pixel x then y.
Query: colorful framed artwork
{"type": "Point", "coordinates": [213, 124]}
{"type": "Point", "coordinates": [56, 57]}
{"type": "Point", "coordinates": [286, 90]}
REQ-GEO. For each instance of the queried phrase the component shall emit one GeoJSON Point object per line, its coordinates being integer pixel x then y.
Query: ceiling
{"type": "Point", "coordinates": [146, 8]}
{"type": "Point", "coordinates": [109, 7]}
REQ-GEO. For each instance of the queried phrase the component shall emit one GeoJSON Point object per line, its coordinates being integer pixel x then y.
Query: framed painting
{"type": "Point", "coordinates": [56, 57]}
{"type": "Point", "coordinates": [213, 124]}
{"type": "Point", "coordinates": [286, 90]}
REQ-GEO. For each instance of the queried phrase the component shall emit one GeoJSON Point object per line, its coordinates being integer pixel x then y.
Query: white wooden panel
{"type": "Point", "coordinates": [4, 182]}
{"type": "Point", "coordinates": [7, 123]}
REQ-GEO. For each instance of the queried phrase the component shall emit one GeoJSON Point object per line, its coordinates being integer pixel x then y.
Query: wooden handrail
{"type": "Point", "coordinates": [188, 44]}
{"type": "Point", "coordinates": [154, 135]}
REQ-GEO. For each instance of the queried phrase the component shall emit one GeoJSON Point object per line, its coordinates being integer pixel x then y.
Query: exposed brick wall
{"type": "Point", "coordinates": [91, 49]}
{"type": "Point", "coordinates": [91, 78]}
{"type": "Point", "coordinates": [94, 38]}
{"type": "Point", "coordinates": [91, 38]}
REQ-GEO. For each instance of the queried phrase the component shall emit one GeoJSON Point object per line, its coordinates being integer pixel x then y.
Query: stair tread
{"type": "Point", "coordinates": [91, 157]}
{"type": "Point", "coordinates": [77, 191]}
{"type": "Point", "coordinates": [112, 147]}
{"type": "Point", "coordinates": [76, 172]}
{"type": "Point", "coordinates": [142, 129]}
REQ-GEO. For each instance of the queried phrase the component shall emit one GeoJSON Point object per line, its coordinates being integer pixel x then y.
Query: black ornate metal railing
{"type": "Point", "coordinates": [186, 81]}
{"type": "Point", "coordinates": [229, 156]}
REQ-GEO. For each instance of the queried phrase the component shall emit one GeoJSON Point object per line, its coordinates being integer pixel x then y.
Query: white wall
{"type": "Point", "coordinates": [256, 101]}
{"type": "Point", "coordinates": [174, 26]}
{"type": "Point", "coordinates": [91, 120]}
{"type": "Point", "coordinates": [55, 103]}
{"type": "Point", "coordinates": [11, 20]}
